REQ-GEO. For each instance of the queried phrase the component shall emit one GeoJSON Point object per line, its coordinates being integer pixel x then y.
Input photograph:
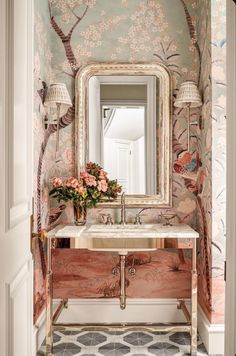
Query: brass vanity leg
{"type": "Point", "coordinates": [194, 302]}
{"type": "Point", "coordinates": [49, 332]}
{"type": "Point", "coordinates": [122, 282]}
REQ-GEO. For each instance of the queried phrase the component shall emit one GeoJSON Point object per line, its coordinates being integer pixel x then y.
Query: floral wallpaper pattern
{"type": "Point", "coordinates": [71, 33]}
{"type": "Point", "coordinates": [218, 49]}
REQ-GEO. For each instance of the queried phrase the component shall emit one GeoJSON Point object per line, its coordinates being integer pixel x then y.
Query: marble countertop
{"type": "Point", "coordinates": [149, 231]}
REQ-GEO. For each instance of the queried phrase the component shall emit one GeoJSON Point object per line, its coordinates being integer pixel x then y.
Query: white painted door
{"type": "Point", "coordinates": [118, 162]}
{"type": "Point", "coordinates": [16, 267]}
{"type": "Point", "coordinates": [123, 154]}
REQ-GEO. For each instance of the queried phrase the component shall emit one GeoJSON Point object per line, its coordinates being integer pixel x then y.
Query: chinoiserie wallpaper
{"type": "Point", "coordinates": [188, 36]}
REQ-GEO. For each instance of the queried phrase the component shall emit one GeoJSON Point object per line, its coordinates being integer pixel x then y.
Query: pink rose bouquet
{"type": "Point", "coordinates": [92, 186]}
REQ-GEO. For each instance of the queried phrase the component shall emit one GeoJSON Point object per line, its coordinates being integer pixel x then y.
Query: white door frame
{"type": "Point", "coordinates": [230, 303]}
{"type": "Point", "coordinates": [16, 118]}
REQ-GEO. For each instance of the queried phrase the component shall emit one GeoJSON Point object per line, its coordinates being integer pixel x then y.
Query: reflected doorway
{"type": "Point", "coordinates": [124, 146]}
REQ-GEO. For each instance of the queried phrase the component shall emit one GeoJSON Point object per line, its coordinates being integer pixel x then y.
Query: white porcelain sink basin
{"type": "Point", "coordinates": [125, 231]}
{"type": "Point", "coordinates": [123, 238]}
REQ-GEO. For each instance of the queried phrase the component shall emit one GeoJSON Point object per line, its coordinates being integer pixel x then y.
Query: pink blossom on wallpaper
{"type": "Point", "coordinates": [37, 65]}
{"type": "Point", "coordinates": [149, 18]}
{"type": "Point", "coordinates": [124, 3]}
{"type": "Point", "coordinates": [69, 156]}
{"type": "Point", "coordinates": [66, 7]}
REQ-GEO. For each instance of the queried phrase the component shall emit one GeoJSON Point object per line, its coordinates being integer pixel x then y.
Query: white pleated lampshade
{"type": "Point", "coordinates": [188, 94]}
{"type": "Point", "coordinates": [58, 94]}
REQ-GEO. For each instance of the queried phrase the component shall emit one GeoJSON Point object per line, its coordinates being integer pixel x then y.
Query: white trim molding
{"type": "Point", "coordinates": [39, 333]}
{"type": "Point", "coordinates": [212, 335]}
{"type": "Point", "coordinates": [230, 302]}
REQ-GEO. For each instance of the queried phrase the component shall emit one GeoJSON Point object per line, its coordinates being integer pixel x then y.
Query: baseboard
{"type": "Point", "coordinates": [138, 310]}
{"type": "Point", "coordinates": [108, 311]}
{"type": "Point", "coordinates": [212, 335]}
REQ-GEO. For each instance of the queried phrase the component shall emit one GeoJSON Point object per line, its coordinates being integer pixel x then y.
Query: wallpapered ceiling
{"type": "Point", "coordinates": [71, 33]}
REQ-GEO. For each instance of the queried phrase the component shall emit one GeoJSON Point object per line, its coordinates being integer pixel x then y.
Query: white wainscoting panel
{"type": "Point", "coordinates": [19, 110]}
{"type": "Point", "coordinates": [19, 311]}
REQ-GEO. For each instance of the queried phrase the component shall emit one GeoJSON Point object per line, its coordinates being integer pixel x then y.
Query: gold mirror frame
{"type": "Point", "coordinates": [164, 196]}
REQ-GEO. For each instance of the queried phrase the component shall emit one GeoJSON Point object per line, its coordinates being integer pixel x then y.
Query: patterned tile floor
{"type": "Point", "coordinates": [94, 343]}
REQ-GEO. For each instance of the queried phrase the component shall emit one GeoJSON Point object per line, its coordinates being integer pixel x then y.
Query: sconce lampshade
{"type": "Point", "coordinates": [58, 94]}
{"type": "Point", "coordinates": [188, 95]}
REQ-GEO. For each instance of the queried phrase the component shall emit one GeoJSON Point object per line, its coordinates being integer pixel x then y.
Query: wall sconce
{"type": "Point", "coordinates": [59, 98]}
{"type": "Point", "coordinates": [188, 97]}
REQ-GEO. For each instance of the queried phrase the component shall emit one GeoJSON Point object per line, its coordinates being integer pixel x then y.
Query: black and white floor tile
{"type": "Point", "coordinates": [100, 343]}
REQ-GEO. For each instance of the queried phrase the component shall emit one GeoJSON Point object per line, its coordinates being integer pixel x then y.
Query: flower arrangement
{"type": "Point", "coordinates": [92, 186]}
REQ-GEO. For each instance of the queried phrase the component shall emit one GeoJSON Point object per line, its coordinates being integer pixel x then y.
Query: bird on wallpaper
{"type": "Point", "coordinates": [42, 92]}
{"type": "Point", "coordinates": [54, 214]}
{"type": "Point", "coordinates": [187, 164]}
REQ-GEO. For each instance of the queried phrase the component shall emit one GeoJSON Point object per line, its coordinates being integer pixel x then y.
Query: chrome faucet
{"type": "Point", "coordinates": [123, 213]}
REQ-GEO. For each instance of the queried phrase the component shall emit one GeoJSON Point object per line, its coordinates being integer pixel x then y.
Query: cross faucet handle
{"type": "Point", "coordinates": [107, 219]}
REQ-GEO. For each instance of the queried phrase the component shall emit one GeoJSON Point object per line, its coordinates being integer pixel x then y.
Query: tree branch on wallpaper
{"type": "Point", "coordinates": [66, 39]}
{"type": "Point", "coordinates": [167, 56]}
{"type": "Point", "coordinates": [64, 120]}
{"type": "Point", "coordinates": [193, 36]}
{"type": "Point", "coordinates": [193, 183]}
{"type": "Point", "coordinates": [206, 249]}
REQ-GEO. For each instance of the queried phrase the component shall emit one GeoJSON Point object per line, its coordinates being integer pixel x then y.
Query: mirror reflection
{"type": "Point", "coordinates": [124, 146]}
{"type": "Point", "coordinates": [123, 124]}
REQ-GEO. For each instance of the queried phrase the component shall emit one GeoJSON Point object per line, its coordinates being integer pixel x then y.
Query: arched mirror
{"type": "Point", "coordinates": [123, 123]}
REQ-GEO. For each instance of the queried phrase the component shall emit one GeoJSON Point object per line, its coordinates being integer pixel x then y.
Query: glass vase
{"type": "Point", "coordinates": [80, 215]}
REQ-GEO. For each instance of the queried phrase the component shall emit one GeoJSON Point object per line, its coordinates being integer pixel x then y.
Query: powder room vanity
{"type": "Point", "coordinates": [121, 240]}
